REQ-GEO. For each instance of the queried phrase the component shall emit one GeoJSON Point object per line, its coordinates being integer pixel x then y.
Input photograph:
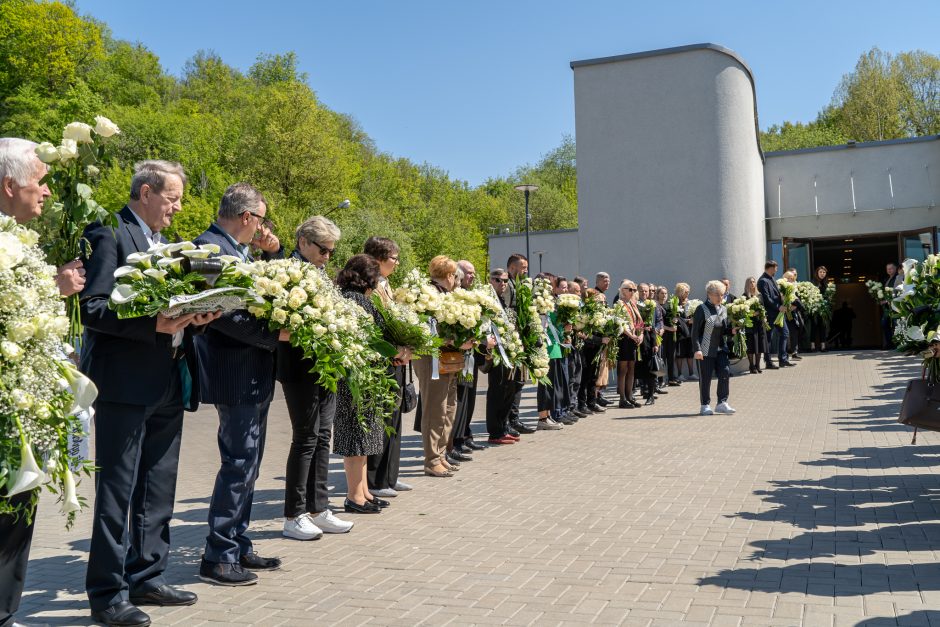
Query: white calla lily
{"type": "Point", "coordinates": [214, 249]}
{"type": "Point", "coordinates": [83, 389]}
{"type": "Point", "coordinates": [196, 254]}
{"type": "Point", "coordinates": [154, 273]}
{"type": "Point", "coordinates": [229, 258]}
{"type": "Point", "coordinates": [29, 475]}
{"type": "Point", "coordinates": [141, 259]}
{"type": "Point", "coordinates": [122, 294]}
{"type": "Point", "coordinates": [172, 248]}
{"type": "Point", "coordinates": [128, 271]}
{"type": "Point", "coordinates": [69, 497]}
{"type": "Point", "coordinates": [916, 334]}
{"type": "Point", "coordinates": [169, 262]}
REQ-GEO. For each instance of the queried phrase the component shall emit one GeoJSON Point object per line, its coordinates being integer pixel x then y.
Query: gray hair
{"type": "Point", "coordinates": [153, 173]}
{"type": "Point", "coordinates": [238, 199]}
{"type": "Point", "coordinates": [317, 230]}
{"type": "Point", "coordinates": [495, 273]}
{"type": "Point", "coordinates": [713, 287]}
{"type": "Point", "coordinates": [464, 266]}
{"type": "Point", "coordinates": [459, 275]}
{"type": "Point", "coordinates": [18, 159]}
{"type": "Point", "coordinates": [601, 275]}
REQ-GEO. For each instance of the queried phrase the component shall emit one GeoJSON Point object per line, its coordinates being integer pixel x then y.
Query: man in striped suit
{"type": "Point", "coordinates": [236, 366]}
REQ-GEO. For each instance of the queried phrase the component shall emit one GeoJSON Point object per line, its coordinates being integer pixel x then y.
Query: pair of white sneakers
{"type": "Point", "coordinates": [720, 408]}
{"type": "Point", "coordinates": [310, 527]}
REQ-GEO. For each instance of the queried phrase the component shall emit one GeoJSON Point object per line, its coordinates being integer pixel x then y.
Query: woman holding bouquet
{"type": "Point", "coordinates": [756, 335]}
{"type": "Point", "coordinates": [628, 342]}
{"type": "Point", "coordinates": [383, 468]}
{"type": "Point", "coordinates": [684, 352]}
{"type": "Point", "coordinates": [311, 408]}
{"type": "Point", "coordinates": [355, 441]}
{"type": "Point", "coordinates": [710, 331]}
{"type": "Point", "coordinates": [593, 344]}
{"type": "Point", "coordinates": [646, 349]}
{"type": "Point", "coordinates": [438, 396]}
{"type": "Point", "coordinates": [820, 332]}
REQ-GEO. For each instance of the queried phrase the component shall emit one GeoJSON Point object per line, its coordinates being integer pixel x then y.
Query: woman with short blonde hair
{"type": "Point", "coordinates": [711, 329]}
{"type": "Point", "coordinates": [756, 335]}
{"type": "Point", "coordinates": [684, 352]}
{"type": "Point", "coordinates": [627, 346]}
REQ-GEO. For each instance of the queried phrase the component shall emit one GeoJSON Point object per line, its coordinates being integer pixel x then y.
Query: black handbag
{"type": "Point", "coordinates": [409, 398]}
{"type": "Point", "coordinates": [658, 365]}
{"type": "Point", "coordinates": [921, 406]}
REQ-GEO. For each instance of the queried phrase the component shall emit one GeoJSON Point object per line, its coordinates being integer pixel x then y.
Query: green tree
{"type": "Point", "coordinates": [870, 99]}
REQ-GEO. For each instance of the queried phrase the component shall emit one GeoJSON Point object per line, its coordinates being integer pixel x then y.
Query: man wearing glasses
{"type": "Point", "coordinates": [501, 388]}
{"type": "Point", "coordinates": [236, 367]}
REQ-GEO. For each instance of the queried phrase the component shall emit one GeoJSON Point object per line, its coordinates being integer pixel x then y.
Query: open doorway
{"type": "Point", "coordinates": [852, 261]}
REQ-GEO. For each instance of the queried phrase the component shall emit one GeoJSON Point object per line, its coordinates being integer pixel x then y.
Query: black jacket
{"type": "Point", "coordinates": [720, 332]}
{"type": "Point", "coordinates": [769, 295]}
{"type": "Point", "coordinates": [127, 359]}
{"type": "Point", "coordinates": [236, 352]}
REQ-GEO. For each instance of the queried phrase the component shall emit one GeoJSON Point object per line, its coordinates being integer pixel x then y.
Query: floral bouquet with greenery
{"type": "Point", "coordinates": [916, 310]}
{"type": "Point", "coordinates": [417, 292]}
{"type": "Point", "coordinates": [174, 279]}
{"type": "Point", "coordinates": [405, 327]}
{"type": "Point", "coordinates": [672, 313]}
{"type": "Point", "coordinates": [648, 313]}
{"type": "Point", "coordinates": [591, 317]}
{"type": "Point", "coordinates": [758, 313]}
{"type": "Point", "coordinates": [40, 390]}
{"type": "Point", "coordinates": [531, 332]}
{"type": "Point", "coordinates": [509, 350]}
{"type": "Point", "coordinates": [691, 306]}
{"type": "Point", "coordinates": [567, 308]}
{"type": "Point", "coordinates": [811, 297]}
{"type": "Point", "coordinates": [828, 304]}
{"type": "Point", "coordinates": [879, 292]}
{"type": "Point", "coordinates": [462, 317]}
{"type": "Point", "coordinates": [542, 296]}
{"type": "Point", "coordinates": [331, 329]}
{"type": "Point", "coordinates": [788, 294]}
{"type": "Point", "coordinates": [73, 171]}
{"type": "Point", "coordinates": [616, 323]}
{"type": "Point", "coordinates": [740, 312]}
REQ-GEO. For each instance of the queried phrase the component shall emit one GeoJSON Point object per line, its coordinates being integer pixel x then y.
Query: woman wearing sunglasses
{"type": "Point", "coordinates": [626, 353]}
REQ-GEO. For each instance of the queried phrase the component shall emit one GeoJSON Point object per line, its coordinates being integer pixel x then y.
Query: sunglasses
{"type": "Point", "coordinates": [629, 289]}
{"type": "Point", "coordinates": [500, 280]}
{"type": "Point", "coordinates": [324, 250]}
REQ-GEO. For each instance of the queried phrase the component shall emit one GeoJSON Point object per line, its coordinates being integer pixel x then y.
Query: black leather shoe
{"type": "Point", "coordinates": [674, 383]}
{"type": "Point", "coordinates": [603, 402]}
{"type": "Point", "coordinates": [226, 574]}
{"type": "Point", "coordinates": [164, 595]}
{"type": "Point", "coordinates": [464, 449]}
{"type": "Point", "coordinates": [124, 614]}
{"type": "Point", "coordinates": [459, 456]}
{"type": "Point", "coordinates": [580, 413]}
{"type": "Point", "coordinates": [451, 461]}
{"type": "Point", "coordinates": [565, 420]}
{"type": "Point", "coordinates": [771, 366]}
{"type": "Point", "coordinates": [473, 446]}
{"type": "Point", "coordinates": [650, 400]}
{"type": "Point", "coordinates": [350, 507]}
{"type": "Point", "coordinates": [513, 432]}
{"type": "Point", "coordinates": [635, 402]}
{"type": "Point", "coordinates": [597, 409]}
{"type": "Point", "coordinates": [625, 404]}
{"type": "Point", "coordinates": [661, 391]}
{"type": "Point", "coordinates": [796, 356]}
{"type": "Point", "coordinates": [521, 428]}
{"type": "Point", "coordinates": [380, 503]}
{"type": "Point", "coordinates": [254, 561]}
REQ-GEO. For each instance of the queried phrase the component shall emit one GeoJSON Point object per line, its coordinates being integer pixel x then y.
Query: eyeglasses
{"type": "Point", "coordinates": [257, 215]}
{"type": "Point", "coordinates": [324, 250]}
{"type": "Point", "coordinates": [393, 258]}
{"type": "Point", "coordinates": [500, 280]}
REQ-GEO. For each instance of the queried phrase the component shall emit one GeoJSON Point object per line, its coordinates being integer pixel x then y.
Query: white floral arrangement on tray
{"type": "Point", "coordinates": [174, 279]}
{"type": "Point", "coordinates": [41, 391]}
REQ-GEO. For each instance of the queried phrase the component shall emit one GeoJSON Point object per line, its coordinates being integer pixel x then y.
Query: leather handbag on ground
{"type": "Point", "coordinates": [921, 406]}
{"type": "Point", "coordinates": [409, 398]}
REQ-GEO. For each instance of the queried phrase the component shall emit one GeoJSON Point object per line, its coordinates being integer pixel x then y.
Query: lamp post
{"type": "Point", "coordinates": [526, 188]}
{"type": "Point", "coordinates": [540, 253]}
{"type": "Point", "coordinates": [343, 205]}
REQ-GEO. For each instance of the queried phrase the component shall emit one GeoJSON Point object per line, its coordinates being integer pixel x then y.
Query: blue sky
{"type": "Point", "coordinates": [479, 87]}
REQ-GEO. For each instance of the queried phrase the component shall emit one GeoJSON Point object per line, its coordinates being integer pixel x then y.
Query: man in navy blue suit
{"type": "Point", "coordinates": [773, 304]}
{"type": "Point", "coordinates": [146, 376]}
{"type": "Point", "coordinates": [236, 372]}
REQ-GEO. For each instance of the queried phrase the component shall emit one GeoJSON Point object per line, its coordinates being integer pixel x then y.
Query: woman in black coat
{"type": "Point", "coordinates": [820, 330]}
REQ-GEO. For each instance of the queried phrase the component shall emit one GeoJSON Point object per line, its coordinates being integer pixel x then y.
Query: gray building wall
{"type": "Point", "coordinates": [670, 175]}
{"type": "Point", "coordinates": [560, 257]}
{"type": "Point", "coordinates": [798, 184]}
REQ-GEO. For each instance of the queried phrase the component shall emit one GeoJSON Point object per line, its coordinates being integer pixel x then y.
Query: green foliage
{"type": "Point", "coordinates": [265, 127]}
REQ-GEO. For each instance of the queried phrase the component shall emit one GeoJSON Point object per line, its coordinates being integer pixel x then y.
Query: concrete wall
{"type": "Point", "coordinates": [821, 179]}
{"type": "Point", "coordinates": [561, 251]}
{"type": "Point", "coordinates": [670, 175]}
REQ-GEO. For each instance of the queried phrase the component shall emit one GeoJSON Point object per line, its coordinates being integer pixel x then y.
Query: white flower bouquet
{"type": "Point", "coordinates": [741, 314]}
{"type": "Point", "coordinates": [916, 311]}
{"type": "Point", "coordinates": [417, 292]}
{"type": "Point", "coordinates": [691, 306]}
{"type": "Point", "coordinates": [40, 390]}
{"type": "Point", "coordinates": [616, 322]}
{"type": "Point", "coordinates": [878, 291]}
{"type": "Point", "coordinates": [828, 304]}
{"type": "Point", "coordinates": [542, 296]}
{"type": "Point", "coordinates": [73, 171]}
{"type": "Point", "coordinates": [810, 296]}
{"type": "Point", "coordinates": [788, 294]}
{"type": "Point", "coordinates": [531, 332]}
{"type": "Point", "coordinates": [405, 327]}
{"type": "Point", "coordinates": [339, 334]}
{"type": "Point", "coordinates": [509, 351]}
{"type": "Point", "coordinates": [567, 308]}
{"type": "Point", "coordinates": [174, 279]}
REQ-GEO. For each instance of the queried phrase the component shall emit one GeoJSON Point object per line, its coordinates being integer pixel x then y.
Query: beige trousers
{"type": "Point", "coordinates": [438, 409]}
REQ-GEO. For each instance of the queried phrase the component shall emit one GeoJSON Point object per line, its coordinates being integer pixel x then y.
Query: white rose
{"type": "Point", "coordinates": [105, 127]}
{"type": "Point", "coordinates": [47, 153]}
{"type": "Point", "coordinates": [11, 351]}
{"type": "Point", "coordinates": [68, 150]}
{"type": "Point", "coordinates": [78, 132]}
{"type": "Point", "coordinates": [279, 316]}
{"type": "Point", "coordinates": [11, 251]}
{"type": "Point", "coordinates": [21, 330]}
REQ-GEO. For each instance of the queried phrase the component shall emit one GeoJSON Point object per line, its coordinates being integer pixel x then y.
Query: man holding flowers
{"type": "Point", "coordinates": [773, 305]}
{"type": "Point", "coordinates": [236, 374]}
{"type": "Point", "coordinates": [145, 370]}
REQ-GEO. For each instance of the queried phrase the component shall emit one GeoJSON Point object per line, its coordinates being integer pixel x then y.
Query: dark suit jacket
{"type": "Point", "coordinates": [769, 295]}
{"type": "Point", "coordinates": [127, 359]}
{"type": "Point", "coordinates": [237, 352]}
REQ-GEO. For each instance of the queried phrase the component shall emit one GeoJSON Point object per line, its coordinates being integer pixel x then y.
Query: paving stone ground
{"type": "Point", "coordinates": [808, 507]}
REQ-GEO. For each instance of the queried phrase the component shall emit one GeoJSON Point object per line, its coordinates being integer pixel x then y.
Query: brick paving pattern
{"type": "Point", "coordinates": [807, 507]}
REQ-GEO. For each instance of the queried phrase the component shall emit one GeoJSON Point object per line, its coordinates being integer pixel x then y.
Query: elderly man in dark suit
{"type": "Point", "coordinates": [145, 372]}
{"type": "Point", "coordinates": [236, 371]}
{"type": "Point", "coordinates": [773, 303]}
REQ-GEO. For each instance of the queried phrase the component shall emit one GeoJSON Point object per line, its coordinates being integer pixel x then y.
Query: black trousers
{"type": "Point", "coordinates": [16, 536]}
{"type": "Point", "coordinates": [383, 468]}
{"type": "Point", "coordinates": [575, 368]}
{"type": "Point", "coordinates": [820, 332]}
{"type": "Point", "coordinates": [718, 366]}
{"type": "Point", "coordinates": [668, 349]}
{"type": "Point", "coordinates": [466, 404]}
{"type": "Point", "coordinates": [311, 408]}
{"type": "Point", "coordinates": [588, 374]}
{"type": "Point", "coordinates": [137, 451]}
{"type": "Point", "coordinates": [500, 392]}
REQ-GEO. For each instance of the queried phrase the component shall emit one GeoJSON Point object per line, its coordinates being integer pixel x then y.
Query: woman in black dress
{"type": "Point", "coordinates": [684, 350]}
{"type": "Point", "coordinates": [627, 345]}
{"type": "Point", "coordinates": [756, 336]}
{"type": "Point", "coordinates": [355, 441]}
{"type": "Point", "coordinates": [646, 349]}
{"type": "Point", "coordinates": [820, 330]}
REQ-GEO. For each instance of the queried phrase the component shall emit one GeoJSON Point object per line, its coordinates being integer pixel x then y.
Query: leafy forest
{"type": "Point", "coordinates": [267, 126]}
